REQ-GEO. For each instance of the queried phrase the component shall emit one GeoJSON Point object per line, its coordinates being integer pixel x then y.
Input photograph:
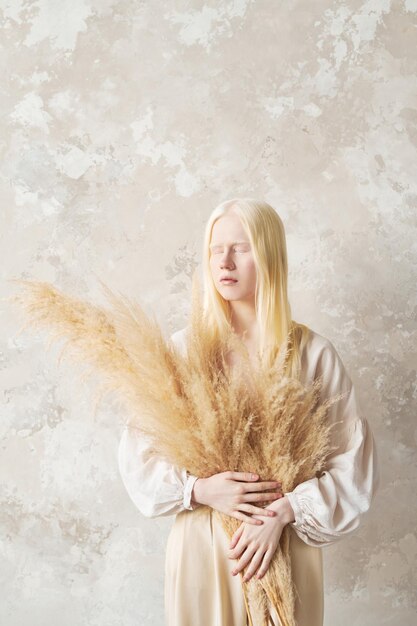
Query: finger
{"type": "Point", "coordinates": [265, 512]}
{"type": "Point", "coordinates": [273, 484]}
{"type": "Point", "coordinates": [236, 551]}
{"type": "Point", "coordinates": [236, 536]}
{"type": "Point", "coordinates": [237, 532]}
{"type": "Point", "coordinates": [265, 564]}
{"type": "Point", "coordinates": [253, 566]}
{"type": "Point", "coordinates": [242, 476]}
{"type": "Point", "coordinates": [246, 518]}
{"type": "Point", "coordinates": [244, 559]}
{"type": "Point", "coordinates": [260, 497]}
{"type": "Point", "coordinates": [256, 510]}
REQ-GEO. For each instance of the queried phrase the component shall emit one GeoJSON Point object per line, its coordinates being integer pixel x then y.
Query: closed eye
{"type": "Point", "coordinates": [235, 250]}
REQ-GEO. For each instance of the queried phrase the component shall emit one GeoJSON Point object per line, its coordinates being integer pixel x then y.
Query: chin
{"type": "Point", "coordinates": [231, 296]}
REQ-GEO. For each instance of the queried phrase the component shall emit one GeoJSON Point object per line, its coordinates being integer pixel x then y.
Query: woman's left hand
{"type": "Point", "coordinates": [257, 544]}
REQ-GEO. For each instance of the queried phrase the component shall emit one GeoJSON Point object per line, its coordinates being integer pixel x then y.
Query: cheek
{"type": "Point", "coordinates": [214, 268]}
{"type": "Point", "coordinates": [250, 269]}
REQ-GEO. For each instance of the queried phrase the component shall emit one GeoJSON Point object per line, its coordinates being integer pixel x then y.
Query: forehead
{"type": "Point", "coordinates": [228, 229]}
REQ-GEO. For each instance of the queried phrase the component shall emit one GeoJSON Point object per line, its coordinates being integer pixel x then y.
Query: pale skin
{"type": "Point", "coordinates": [238, 493]}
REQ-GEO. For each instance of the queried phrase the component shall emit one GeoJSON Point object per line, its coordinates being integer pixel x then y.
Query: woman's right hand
{"type": "Point", "coordinates": [235, 493]}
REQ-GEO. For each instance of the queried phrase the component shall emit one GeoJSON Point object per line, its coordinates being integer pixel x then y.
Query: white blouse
{"type": "Point", "coordinates": [326, 508]}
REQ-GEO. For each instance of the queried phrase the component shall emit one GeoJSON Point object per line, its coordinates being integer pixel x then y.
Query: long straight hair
{"type": "Point", "coordinates": [276, 327]}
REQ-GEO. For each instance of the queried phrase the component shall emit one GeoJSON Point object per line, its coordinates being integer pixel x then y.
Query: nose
{"type": "Point", "coordinates": [226, 261]}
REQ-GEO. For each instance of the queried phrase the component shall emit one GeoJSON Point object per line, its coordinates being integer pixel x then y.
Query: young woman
{"type": "Point", "coordinates": [245, 286]}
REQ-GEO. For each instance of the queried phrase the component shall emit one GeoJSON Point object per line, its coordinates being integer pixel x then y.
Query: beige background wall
{"type": "Point", "coordinates": [123, 124]}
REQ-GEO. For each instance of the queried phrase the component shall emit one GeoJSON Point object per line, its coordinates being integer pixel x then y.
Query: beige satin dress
{"type": "Point", "coordinates": [201, 591]}
{"type": "Point", "coordinates": [199, 587]}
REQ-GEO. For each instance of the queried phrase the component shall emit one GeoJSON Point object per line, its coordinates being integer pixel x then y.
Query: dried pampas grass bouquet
{"type": "Point", "coordinates": [200, 413]}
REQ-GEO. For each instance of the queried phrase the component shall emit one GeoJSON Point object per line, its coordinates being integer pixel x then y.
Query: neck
{"type": "Point", "coordinates": [243, 319]}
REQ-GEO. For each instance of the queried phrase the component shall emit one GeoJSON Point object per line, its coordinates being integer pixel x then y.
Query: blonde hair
{"type": "Point", "coordinates": [266, 234]}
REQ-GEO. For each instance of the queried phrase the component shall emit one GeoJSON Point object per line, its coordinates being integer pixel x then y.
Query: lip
{"type": "Point", "coordinates": [228, 280]}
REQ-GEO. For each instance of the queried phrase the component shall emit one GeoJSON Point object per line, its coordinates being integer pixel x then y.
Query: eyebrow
{"type": "Point", "coordinates": [234, 243]}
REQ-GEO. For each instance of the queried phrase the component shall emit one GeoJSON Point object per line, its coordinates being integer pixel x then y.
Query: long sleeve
{"type": "Point", "coordinates": [155, 486]}
{"type": "Point", "coordinates": [330, 506]}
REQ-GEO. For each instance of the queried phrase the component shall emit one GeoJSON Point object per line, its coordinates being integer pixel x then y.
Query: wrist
{"type": "Point", "coordinates": [197, 493]}
{"type": "Point", "coordinates": [283, 509]}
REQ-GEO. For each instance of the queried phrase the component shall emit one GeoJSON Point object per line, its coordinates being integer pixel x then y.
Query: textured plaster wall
{"type": "Point", "coordinates": [123, 123]}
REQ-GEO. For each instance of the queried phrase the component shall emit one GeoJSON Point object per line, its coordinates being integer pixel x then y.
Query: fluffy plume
{"type": "Point", "coordinates": [199, 412]}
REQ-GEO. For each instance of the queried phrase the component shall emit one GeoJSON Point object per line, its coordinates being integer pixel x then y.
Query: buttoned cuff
{"type": "Point", "coordinates": [188, 491]}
